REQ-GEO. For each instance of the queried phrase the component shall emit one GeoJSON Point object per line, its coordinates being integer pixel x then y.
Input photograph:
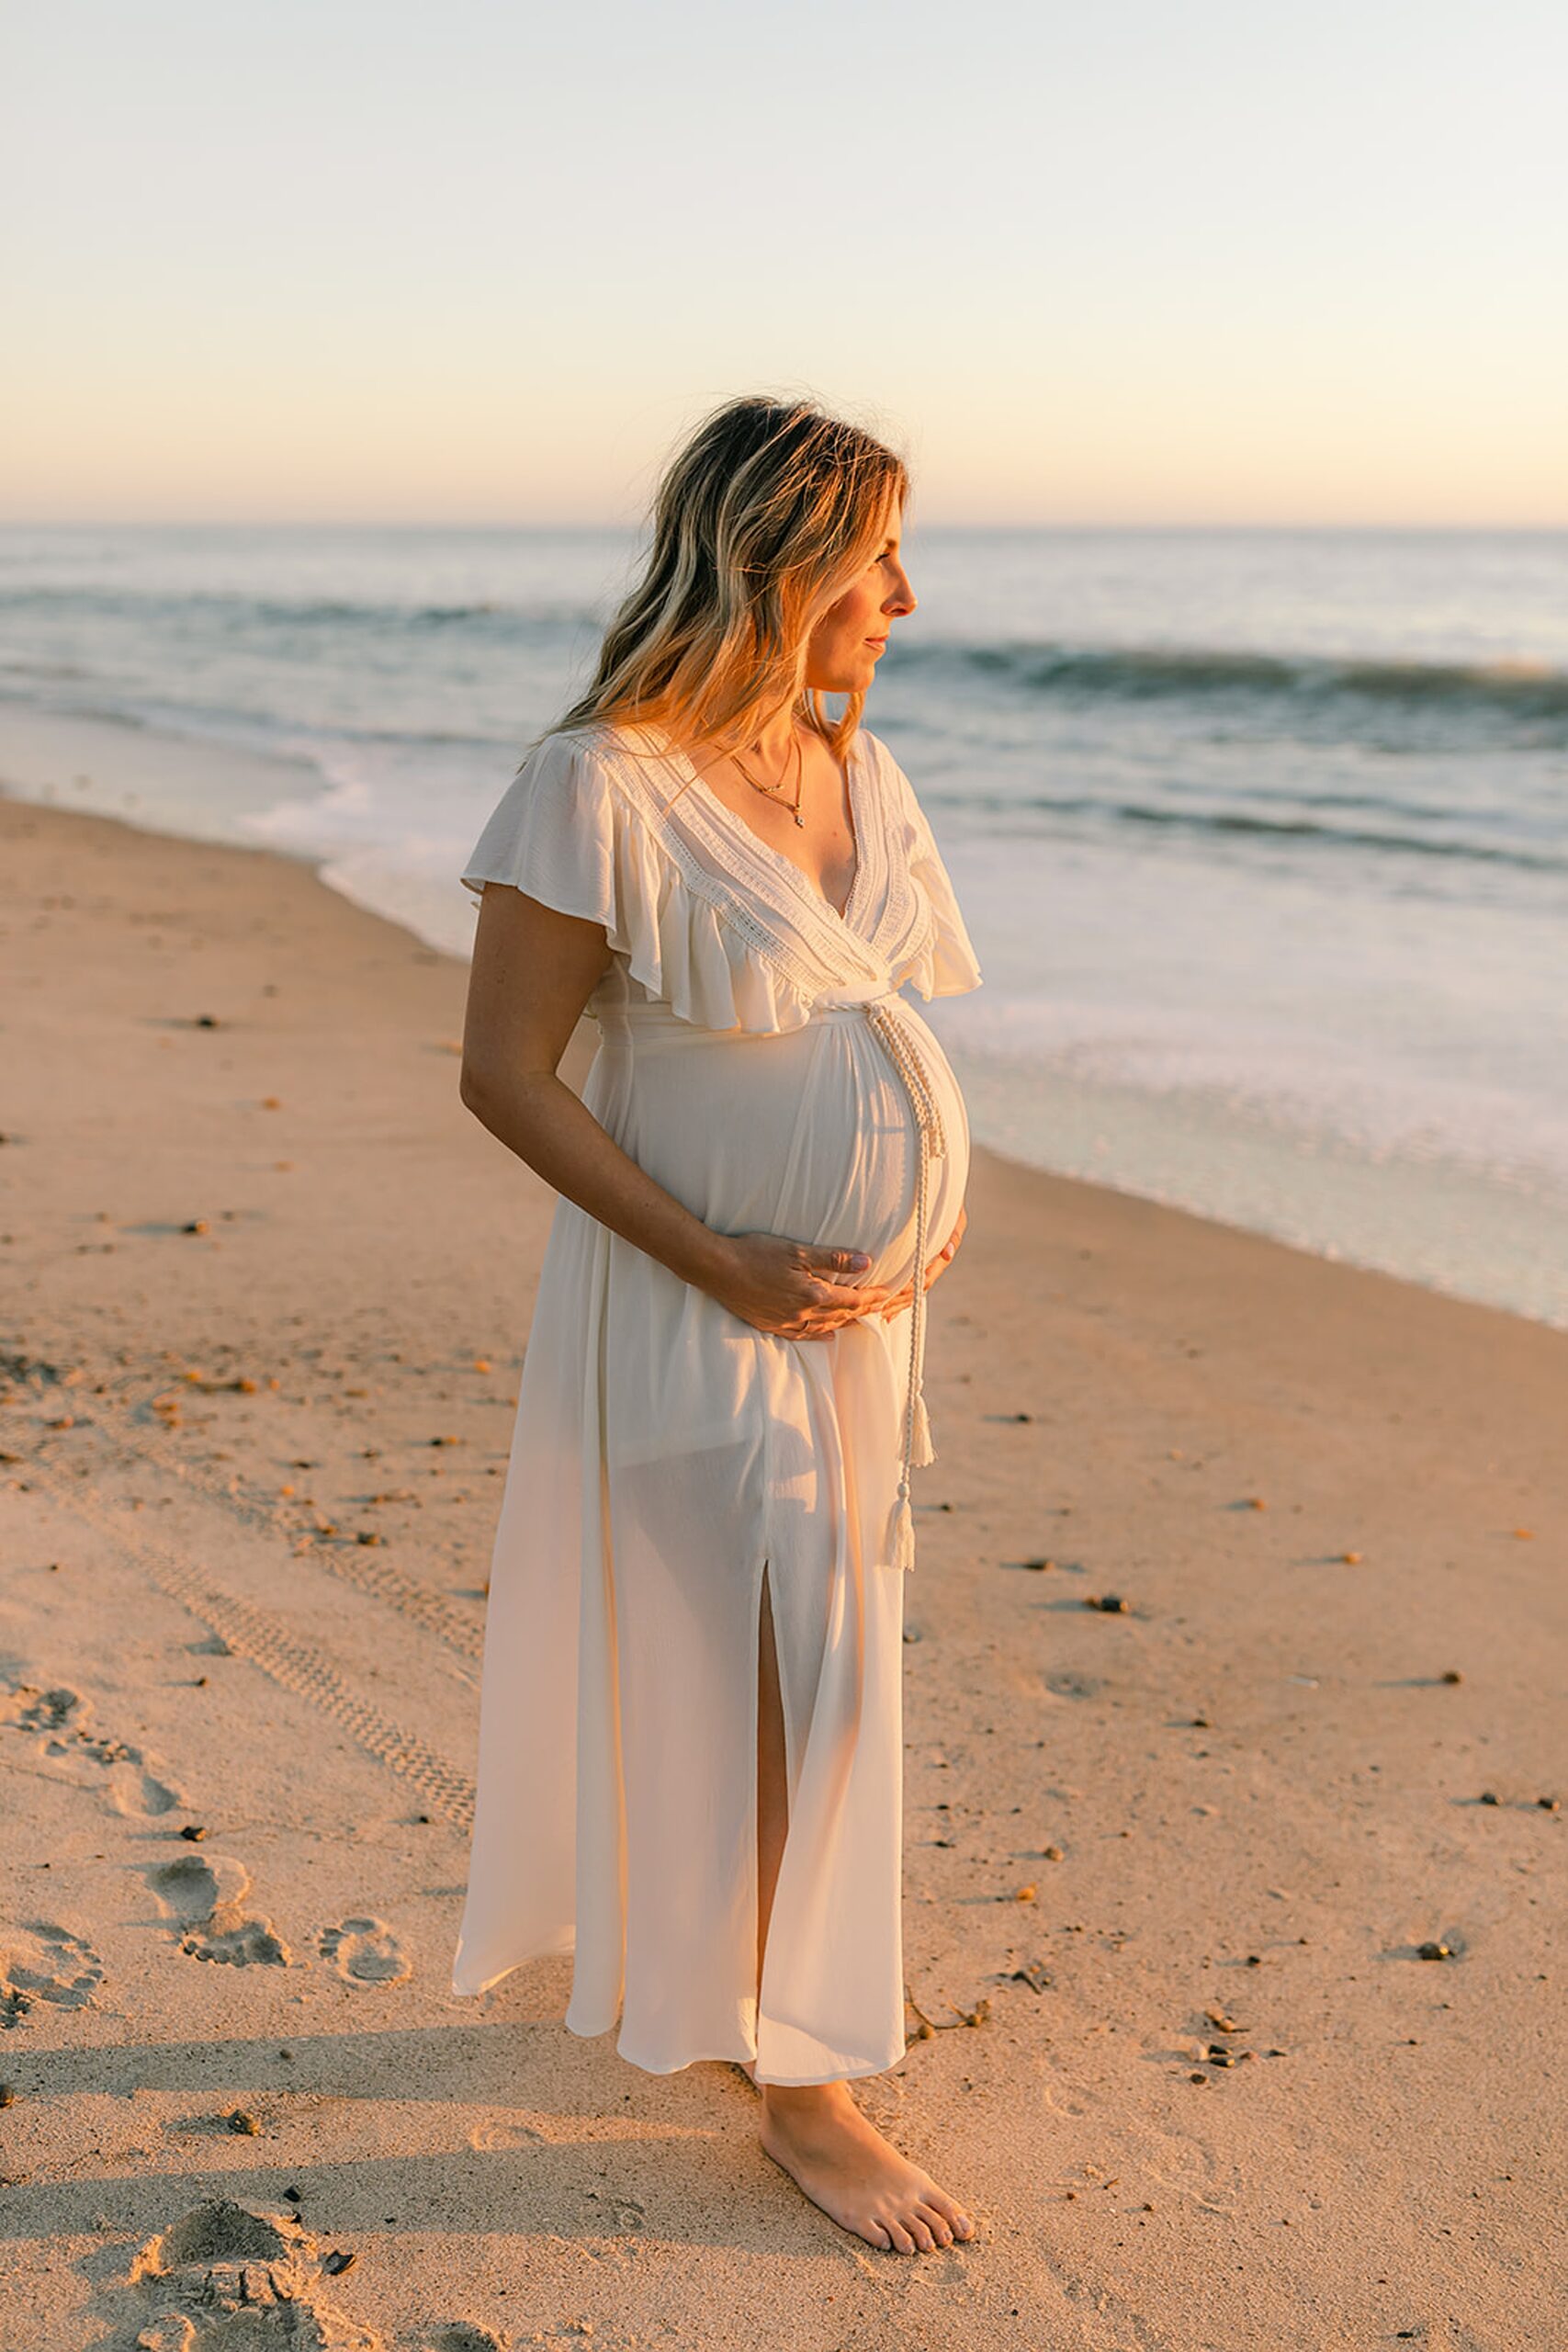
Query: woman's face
{"type": "Point", "coordinates": [850, 640]}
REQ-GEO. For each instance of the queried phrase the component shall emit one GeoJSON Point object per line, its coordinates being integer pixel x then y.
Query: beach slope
{"type": "Point", "coordinates": [1170, 1864]}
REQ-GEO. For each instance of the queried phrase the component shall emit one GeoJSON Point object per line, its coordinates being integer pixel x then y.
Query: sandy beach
{"type": "Point", "coordinates": [1169, 1866]}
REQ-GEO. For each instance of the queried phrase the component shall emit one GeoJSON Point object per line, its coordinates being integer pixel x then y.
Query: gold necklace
{"type": "Point", "coordinates": [774, 791]}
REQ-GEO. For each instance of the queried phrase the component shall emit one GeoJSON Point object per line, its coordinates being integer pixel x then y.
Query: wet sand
{"type": "Point", "coordinates": [1169, 1866]}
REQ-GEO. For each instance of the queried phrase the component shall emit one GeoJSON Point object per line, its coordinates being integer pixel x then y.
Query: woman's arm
{"type": "Point", "coordinates": [533, 969]}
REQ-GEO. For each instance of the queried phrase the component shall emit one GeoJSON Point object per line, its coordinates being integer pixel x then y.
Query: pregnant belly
{"type": "Point", "coordinates": [811, 1135]}
{"type": "Point", "coordinates": [866, 1198]}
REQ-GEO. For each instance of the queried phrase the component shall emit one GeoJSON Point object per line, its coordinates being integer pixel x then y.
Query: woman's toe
{"type": "Point", "coordinates": [899, 2240]}
{"type": "Point", "coordinates": [953, 2213]}
{"type": "Point", "coordinates": [936, 2220]}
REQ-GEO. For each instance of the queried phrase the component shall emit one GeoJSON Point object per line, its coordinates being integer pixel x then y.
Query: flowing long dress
{"type": "Point", "coordinates": [756, 1057]}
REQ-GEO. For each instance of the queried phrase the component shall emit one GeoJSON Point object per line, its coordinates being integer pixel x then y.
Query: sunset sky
{"type": "Point", "coordinates": [1203, 261]}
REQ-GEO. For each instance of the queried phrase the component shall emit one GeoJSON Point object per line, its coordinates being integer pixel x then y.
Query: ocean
{"type": "Point", "coordinates": [1262, 836]}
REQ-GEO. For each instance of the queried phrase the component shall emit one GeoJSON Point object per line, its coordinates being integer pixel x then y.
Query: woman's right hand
{"type": "Point", "coordinates": [794, 1289]}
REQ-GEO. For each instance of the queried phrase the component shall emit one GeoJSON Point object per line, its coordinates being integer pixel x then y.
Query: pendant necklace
{"type": "Point", "coordinates": [774, 791]}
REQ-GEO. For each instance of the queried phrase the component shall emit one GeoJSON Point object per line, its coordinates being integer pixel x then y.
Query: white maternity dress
{"type": "Point", "coordinates": [756, 1057]}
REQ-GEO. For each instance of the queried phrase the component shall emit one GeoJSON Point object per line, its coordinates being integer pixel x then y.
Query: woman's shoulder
{"type": "Point", "coordinates": [880, 759]}
{"type": "Point", "coordinates": [619, 759]}
{"type": "Point", "coordinates": [596, 767]}
{"type": "Point", "coordinates": [898, 792]}
{"type": "Point", "coordinates": [583, 743]}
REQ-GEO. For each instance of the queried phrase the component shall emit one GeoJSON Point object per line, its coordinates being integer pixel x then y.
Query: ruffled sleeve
{"type": "Point", "coordinates": [552, 834]}
{"type": "Point", "coordinates": [945, 964]}
{"type": "Point", "coordinates": [571, 831]}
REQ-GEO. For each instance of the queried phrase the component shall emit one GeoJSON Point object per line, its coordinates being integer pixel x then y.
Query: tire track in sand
{"type": "Point", "coordinates": [270, 1643]}
{"type": "Point", "coordinates": [462, 1630]}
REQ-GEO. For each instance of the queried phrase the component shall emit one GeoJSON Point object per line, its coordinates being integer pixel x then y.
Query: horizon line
{"type": "Point", "coordinates": [432, 523]}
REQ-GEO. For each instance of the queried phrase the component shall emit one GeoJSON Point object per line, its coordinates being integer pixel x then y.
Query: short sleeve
{"type": "Point", "coordinates": [552, 833]}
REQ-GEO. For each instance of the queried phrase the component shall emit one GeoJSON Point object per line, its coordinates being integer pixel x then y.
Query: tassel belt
{"type": "Point", "coordinates": [898, 1043]}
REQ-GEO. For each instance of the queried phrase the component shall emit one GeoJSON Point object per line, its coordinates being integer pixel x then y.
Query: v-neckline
{"type": "Point", "coordinates": [766, 851]}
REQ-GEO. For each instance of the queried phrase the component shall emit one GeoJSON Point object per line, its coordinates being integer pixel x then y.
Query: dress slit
{"type": "Point", "coordinates": [766, 1646]}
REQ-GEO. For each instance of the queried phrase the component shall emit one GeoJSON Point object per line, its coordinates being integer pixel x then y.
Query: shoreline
{"type": "Point", "coordinates": [1252, 1170]}
{"type": "Point", "coordinates": [251, 1477]}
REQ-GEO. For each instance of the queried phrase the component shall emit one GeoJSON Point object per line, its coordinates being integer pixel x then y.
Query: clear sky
{"type": "Point", "coordinates": [1145, 260]}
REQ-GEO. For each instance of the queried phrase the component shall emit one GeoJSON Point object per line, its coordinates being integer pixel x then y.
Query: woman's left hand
{"type": "Point", "coordinates": [938, 1265]}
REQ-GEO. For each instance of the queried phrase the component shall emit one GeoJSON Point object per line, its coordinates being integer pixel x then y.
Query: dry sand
{"type": "Point", "coordinates": [265, 1288]}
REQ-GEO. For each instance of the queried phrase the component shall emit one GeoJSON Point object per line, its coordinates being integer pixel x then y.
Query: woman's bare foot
{"type": "Point", "coordinates": [842, 2163]}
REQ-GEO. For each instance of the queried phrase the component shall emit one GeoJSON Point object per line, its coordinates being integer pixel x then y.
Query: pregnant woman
{"type": "Point", "coordinates": [690, 1743]}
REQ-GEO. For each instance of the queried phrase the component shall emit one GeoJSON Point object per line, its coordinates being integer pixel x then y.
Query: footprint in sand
{"type": "Point", "coordinates": [365, 1951]}
{"type": "Point", "coordinates": [195, 1886]}
{"type": "Point", "coordinates": [201, 1895]}
{"type": "Point", "coordinates": [42, 1962]}
{"type": "Point", "coordinates": [1181, 2167]}
{"type": "Point", "coordinates": [496, 2133]}
{"type": "Point", "coordinates": [133, 1789]}
{"type": "Point", "coordinates": [250, 1943]}
{"type": "Point", "coordinates": [61, 1721]}
{"type": "Point", "coordinates": [224, 2277]}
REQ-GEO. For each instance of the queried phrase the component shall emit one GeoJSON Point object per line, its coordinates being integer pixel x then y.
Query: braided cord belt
{"type": "Point", "coordinates": [898, 1043]}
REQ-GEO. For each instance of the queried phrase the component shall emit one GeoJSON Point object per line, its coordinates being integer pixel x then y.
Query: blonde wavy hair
{"type": "Point", "coordinates": [760, 523]}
